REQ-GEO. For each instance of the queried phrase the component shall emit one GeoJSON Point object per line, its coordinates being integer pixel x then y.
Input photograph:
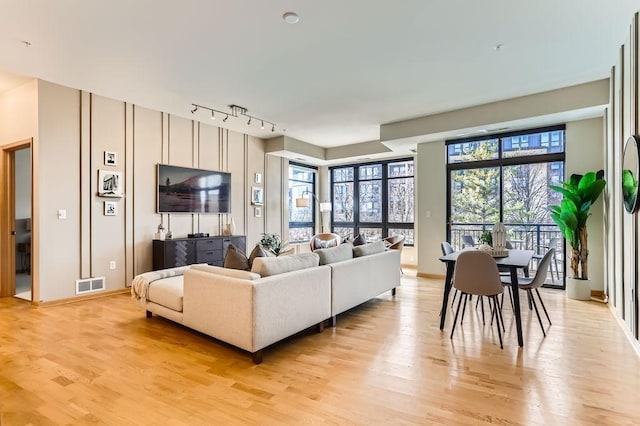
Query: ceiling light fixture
{"type": "Point", "coordinates": [236, 111]}
{"type": "Point", "coordinates": [291, 18]}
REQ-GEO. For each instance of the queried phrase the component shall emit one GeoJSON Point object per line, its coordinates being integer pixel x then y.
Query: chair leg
{"type": "Point", "coordinates": [464, 308]}
{"type": "Point", "coordinates": [495, 310]}
{"type": "Point", "coordinates": [557, 270]}
{"type": "Point", "coordinates": [543, 307]}
{"type": "Point", "coordinates": [482, 306]}
{"type": "Point", "coordinates": [529, 300]}
{"type": "Point", "coordinates": [537, 312]}
{"type": "Point", "coordinates": [455, 293]}
{"type": "Point", "coordinates": [455, 319]}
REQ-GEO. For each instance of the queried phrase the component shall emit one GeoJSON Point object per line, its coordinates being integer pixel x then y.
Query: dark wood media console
{"type": "Point", "coordinates": [185, 251]}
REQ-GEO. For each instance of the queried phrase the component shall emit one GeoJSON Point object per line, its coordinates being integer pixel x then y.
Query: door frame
{"type": "Point", "coordinates": [7, 217]}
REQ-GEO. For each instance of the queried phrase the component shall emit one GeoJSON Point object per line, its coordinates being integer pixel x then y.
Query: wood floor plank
{"type": "Point", "coordinates": [103, 362]}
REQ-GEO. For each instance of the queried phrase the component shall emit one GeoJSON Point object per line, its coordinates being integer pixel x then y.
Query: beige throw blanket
{"type": "Point", "coordinates": [140, 284]}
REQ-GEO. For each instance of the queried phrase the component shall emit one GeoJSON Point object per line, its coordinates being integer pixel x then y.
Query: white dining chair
{"type": "Point", "coordinates": [476, 273]}
{"type": "Point", "coordinates": [530, 284]}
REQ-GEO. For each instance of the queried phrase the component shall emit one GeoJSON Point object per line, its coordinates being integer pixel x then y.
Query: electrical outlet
{"type": "Point", "coordinates": [112, 264]}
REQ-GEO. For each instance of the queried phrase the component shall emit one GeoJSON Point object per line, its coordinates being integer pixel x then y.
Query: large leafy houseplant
{"type": "Point", "coordinates": [579, 194]}
{"type": "Point", "coordinates": [274, 244]}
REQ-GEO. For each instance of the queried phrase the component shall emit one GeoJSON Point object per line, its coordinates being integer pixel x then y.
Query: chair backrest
{"type": "Point", "coordinates": [396, 242]}
{"type": "Point", "coordinates": [324, 240]}
{"type": "Point", "coordinates": [468, 240]}
{"type": "Point", "coordinates": [476, 272]}
{"type": "Point", "coordinates": [446, 248]}
{"type": "Point", "coordinates": [543, 267]}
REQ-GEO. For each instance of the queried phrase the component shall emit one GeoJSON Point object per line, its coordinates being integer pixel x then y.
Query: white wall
{"type": "Point", "coordinates": [19, 113]}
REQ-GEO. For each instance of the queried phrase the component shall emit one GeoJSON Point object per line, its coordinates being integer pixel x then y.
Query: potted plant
{"type": "Point", "coordinates": [274, 244]}
{"type": "Point", "coordinates": [579, 194]}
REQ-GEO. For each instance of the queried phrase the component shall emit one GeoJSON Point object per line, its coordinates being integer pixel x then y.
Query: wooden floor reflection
{"type": "Point", "coordinates": [386, 362]}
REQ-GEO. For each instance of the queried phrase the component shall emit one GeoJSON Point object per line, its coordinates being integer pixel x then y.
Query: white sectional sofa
{"type": "Point", "coordinates": [278, 298]}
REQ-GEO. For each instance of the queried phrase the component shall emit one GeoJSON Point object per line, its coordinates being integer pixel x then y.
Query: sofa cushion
{"type": "Point", "coordinates": [235, 259]}
{"type": "Point", "coordinates": [370, 248]}
{"type": "Point", "coordinates": [322, 244]}
{"type": "Point", "coordinates": [335, 254]}
{"type": "Point", "coordinates": [233, 273]}
{"type": "Point", "coordinates": [267, 266]}
{"type": "Point", "coordinates": [258, 251]}
{"type": "Point", "coordinates": [167, 292]}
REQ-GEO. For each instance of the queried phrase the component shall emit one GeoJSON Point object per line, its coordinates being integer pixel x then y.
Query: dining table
{"type": "Point", "coordinates": [513, 260]}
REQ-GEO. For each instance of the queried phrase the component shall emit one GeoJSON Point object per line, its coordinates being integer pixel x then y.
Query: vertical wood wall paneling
{"type": "Point", "coordinates": [627, 222]}
{"type": "Point", "coordinates": [634, 131]}
{"type": "Point", "coordinates": [195, 161]}
{"type": "Point", "coordinates": [165, 159]}
{"type": "Point", "coordinates": [235, 158]}
{"type": "Point", "coordinates": [209, 158]}
{"type": "Point", "coordinates": [129, 194]}
{"type": "Point", "coordinates": [148, 139]}
{"type": "Point", "coordinates": [86, 178]}
{"type": "Point", "coordinates": [108, 232]}
{"type": "Point", "coordinates": [248, 182]}
{"type": "Point", "coordinates": [181, 154]}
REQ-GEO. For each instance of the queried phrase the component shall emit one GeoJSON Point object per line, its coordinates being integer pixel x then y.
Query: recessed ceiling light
{"type": "Point", "coordinates": [291, 18]}
{"type": "Point", "coordinates": [498, 47]}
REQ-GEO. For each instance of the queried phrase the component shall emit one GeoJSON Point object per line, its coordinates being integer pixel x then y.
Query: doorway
{"type": "Point", "coordinates": [16, 214]}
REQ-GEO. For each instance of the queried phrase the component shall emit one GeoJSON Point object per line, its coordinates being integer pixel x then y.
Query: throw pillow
{"type": "Point", "coordinates": [335, 254]}
{"type": "Point", "coordinates": [258, 251]}
{"type": "Point", "coordinates": [370, 248]}
{"type": "Point", "coordinates": [234, 259]}
{"type": "Point", "coordinates": [267, 266]}
{"type": "Point", "coordinates": [359, 240]}
{"type": "Point", "coordinates": [322, 244]}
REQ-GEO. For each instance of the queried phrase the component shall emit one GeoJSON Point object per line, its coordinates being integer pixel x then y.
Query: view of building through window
{"type": "Point", "coordinates": [506, 178]}
{"type": "Point", "coordinates": [301, 219]}
{"type": "Point", "coordinates": [376, 199]}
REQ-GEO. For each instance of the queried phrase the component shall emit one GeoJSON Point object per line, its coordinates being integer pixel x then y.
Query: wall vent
{"type": "Point", "coordinates": [90, 285]}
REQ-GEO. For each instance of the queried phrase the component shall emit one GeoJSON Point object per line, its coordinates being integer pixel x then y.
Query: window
{"type": "Point", "coordinates": [374, 199]}
{"type": "Point", "coordinates": [302, 183]}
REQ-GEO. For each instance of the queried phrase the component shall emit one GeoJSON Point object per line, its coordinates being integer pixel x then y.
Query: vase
{"type": "Point", "coordinates": [499, 237]}
{"type": "Point", "coordinates": [231, 227]}
{"type": "Point", "coordinates": [578, 289]}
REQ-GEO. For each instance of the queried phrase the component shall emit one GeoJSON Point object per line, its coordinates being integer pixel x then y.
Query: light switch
{"type": "Point", "coordinates": [62, 214]}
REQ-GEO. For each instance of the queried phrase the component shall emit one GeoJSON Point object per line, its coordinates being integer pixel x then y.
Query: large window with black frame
{"type": "Point", "coordinates": [302, 220]}
{"type": "Point", "coordinates": [374, 199]}
{"type": "Point", "coordinates": [505, 178]}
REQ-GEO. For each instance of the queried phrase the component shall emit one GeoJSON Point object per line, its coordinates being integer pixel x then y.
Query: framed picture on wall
{"type": "Point", "coordinates": [109, 183]}
{"type": "Point", "coordinates": [257, 178]}
{"type": "Point", "coordinates": [257, 196]}
{"type": "Point", "coordinates": [110, 208]}
{"type": "Point", "coordinates": [257, 211]}
{"type": "Point", "coordinates": [110, 158]}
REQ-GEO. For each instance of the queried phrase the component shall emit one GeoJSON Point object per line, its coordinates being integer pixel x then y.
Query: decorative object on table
{"type": "Point", "coordinates": [499, 237]}
{"type": "Point", "coordinates": [230, 229]}
{"type": "Point", "coordinates": [579, 194]}
{"type": "Point", "coordinates": [630, 171]}
{"type": "Point", "coordinates": [110, 208]}
{"type": "Point", "coordinates": [160, 235]}
{"type": "Point", "coordinates": [274, 244]}
{"type": "Point", "coordinates": [110, 158]}
{"type": "Point", "coordinates": [109, 183]}
{"type": "Point", "coordinates": [257, 196]}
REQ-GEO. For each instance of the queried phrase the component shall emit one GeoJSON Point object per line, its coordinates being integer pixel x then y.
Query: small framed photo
{"type": "Point", "coordinates": [109, 183]}
{"type": "Point", "coordinates": [110, 158]}
{"type": "Point", "coordinates": [257, 211]}
{"type": "Point", "coordinates": [110, 208]}
{"type": "Point", "coordinates": [257, 178]}
{"type": "Point", "coordinates": [257, 196]}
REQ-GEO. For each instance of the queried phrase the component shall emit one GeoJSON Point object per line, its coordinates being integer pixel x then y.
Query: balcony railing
{"type": "Point", "coordinates": [526, 236]}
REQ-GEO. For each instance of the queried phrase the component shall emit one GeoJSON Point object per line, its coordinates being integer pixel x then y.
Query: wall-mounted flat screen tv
{"type": "Point", "coordinates": [188, 190]}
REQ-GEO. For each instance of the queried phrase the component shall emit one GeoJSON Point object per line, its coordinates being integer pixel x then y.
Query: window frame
{"type": "Point", "coordinates": [292, 182]}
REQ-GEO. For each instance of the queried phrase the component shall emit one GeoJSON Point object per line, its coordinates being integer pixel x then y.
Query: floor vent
{"type": "Point", "coordinates": [89, 285]}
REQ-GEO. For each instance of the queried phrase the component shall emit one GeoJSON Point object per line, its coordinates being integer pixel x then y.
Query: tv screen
{"type": "Point", "coordinates": [188, 190]}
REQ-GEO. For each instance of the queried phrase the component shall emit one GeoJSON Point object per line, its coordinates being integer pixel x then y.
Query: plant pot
{"type": "Point", "coordinates": [578, 289]}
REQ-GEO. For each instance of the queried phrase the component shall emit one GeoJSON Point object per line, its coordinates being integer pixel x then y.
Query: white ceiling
{"type": "Point", "coordinates": [332, 79]}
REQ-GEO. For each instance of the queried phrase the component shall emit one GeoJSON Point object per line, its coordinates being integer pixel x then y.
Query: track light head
{"type": "Point", "coordinates": [213, 115]}
{"type": "Point", "coordinates": [273, 127]}
{"type": "Point", "coordinates": [195, 108]}
{"type": "Point", "coordinates": [249, 122]}
{"type": "Point", "coordinates": [262, 125]}
{"type": "Point", "coordinates": [224, 120]}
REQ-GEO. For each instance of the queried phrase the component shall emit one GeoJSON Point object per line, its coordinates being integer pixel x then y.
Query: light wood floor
{"type": "Point", "coordinates": [103, 362]}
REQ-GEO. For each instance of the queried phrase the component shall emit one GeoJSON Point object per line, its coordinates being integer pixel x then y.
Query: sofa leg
{"type": "Point", "coordinates": [149, 314]}
{"type": "Point", "coordinates": [393, 291]}
{"type": "Point", "coordinates": [332, 321]}
{"type": "Point", "coordinates": [256, 357]}
{"type": "Point", "coordinates": [320, 327]}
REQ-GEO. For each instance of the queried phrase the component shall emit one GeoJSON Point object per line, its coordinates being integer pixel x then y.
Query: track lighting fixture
{"type": "Point", "coordinates": [236, 111]}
